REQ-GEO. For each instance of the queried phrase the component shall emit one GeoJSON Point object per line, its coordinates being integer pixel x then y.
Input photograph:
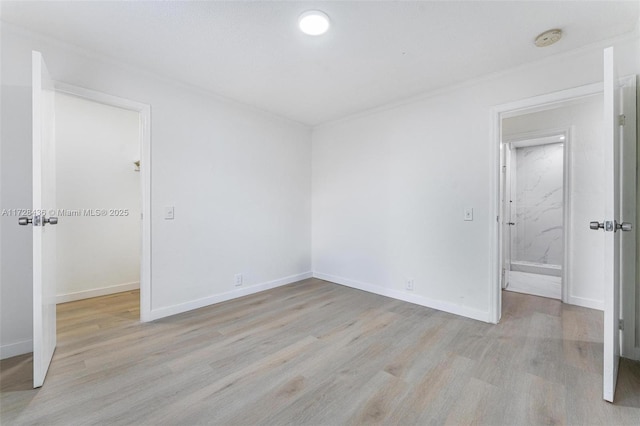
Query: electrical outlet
{"type": "Point", "coordinates": [468, 214]}
{"type": "Point", "coordinates": [238, 281]}
{"type": "Point", "coordinates": [408, 284]}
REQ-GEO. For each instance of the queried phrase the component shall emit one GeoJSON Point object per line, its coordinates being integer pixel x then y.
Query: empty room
{"type": "Point", "coordinates": [319, 212]}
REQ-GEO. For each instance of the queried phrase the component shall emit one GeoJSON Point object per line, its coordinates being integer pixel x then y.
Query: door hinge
{"type": "Point", "coordinates": [504, 169]}
{"type": "Point", "coordinates": [622, 120]}
{"type": "Point", "coordinates": [621, 324]}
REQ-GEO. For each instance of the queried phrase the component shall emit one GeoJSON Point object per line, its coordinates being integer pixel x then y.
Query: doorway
{"type": "Point", "coordinates": [583, 267]}
{"type": "Point", "coordinates": [541, 116]}
{"type": "Point", "coordinates": [134, 169]}
{"type": "Point", "coordinates": [98, 194]}
{"type": "Point", "coordinates": [535, 206]}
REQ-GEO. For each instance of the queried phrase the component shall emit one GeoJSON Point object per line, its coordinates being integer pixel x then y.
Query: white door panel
{"type": "Point", "coordinates": [612, 236]}
{"type": "Point", "coordinates": [44, 235]}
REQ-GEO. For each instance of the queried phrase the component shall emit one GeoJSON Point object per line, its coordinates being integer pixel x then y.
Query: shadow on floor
{"type": "Point", "coordinates": [16, 373]}
{"type": "Point", "coordinates": [628, 388]}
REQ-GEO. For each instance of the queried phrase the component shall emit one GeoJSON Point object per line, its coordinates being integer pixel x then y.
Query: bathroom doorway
{"type": "Point", "coordinates": [534, 204]}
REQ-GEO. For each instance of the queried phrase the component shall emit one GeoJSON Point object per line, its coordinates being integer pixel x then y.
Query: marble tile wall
{"type": "Point", "coordinates": [537, 183]}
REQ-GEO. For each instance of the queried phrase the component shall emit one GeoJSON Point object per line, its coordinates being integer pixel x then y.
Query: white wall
{"type": "Point", "coordinates": [15, 181]}
{"type": "Point", "coordinates": [96, 146]}
{"type": "Point", "coordinates": [239, 180]}
{"type": "Point", "coordinates": [586, 190]}
{"type": "Point", "coordinates": [390, 186]}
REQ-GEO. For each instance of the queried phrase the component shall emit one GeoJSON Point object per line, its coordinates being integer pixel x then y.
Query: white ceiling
{"type": "Point", "coordinates": [375, 53]}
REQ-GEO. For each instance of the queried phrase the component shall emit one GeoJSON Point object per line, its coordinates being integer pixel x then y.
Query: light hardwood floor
{"type": "Point", "coordinates": [319, 353]}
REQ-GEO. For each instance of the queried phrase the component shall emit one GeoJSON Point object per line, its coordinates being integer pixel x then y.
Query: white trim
{"type": "Point", "coordinates": [629, 307]}
{"type": "Point", "coordinates": [223, 297]}
{"type": "Point", "coordinates": [15, 349]}
{"type": "Point", "coordinates": [548, 100]}
{"type": "Point", "coordinates": [495, 253]}
{"type": "Point", "coordinates": [95, 292]}
{"type": "Point", "coordinates": [145, 254]}
{"type": "Point", "coordinates": [145, 172]}
{"type": "Point", "coordinates": [493, 76]}
{"type": "Point", "coordinates": [523, 106]}
{"type": "Point", "coordinates": [99, 97]}
{"type": "Point", "coordinates": [146, 74]}
{"type": "Point", "coordinates": [1, 238]}
{"type": "Point", "coordinates": [567, 226]}
{"type": "Point", "coordinates": [537, 138]}
{"type": "Point", "coordinates": [408, 297]}
{"type": "Point", "coordinates": [586, 303]}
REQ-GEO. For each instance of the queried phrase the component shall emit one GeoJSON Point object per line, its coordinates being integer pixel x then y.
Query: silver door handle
{"type": "Point", "coordinates": [24, 220]}
{"type": "Point", "coordinates": [624, 226]}
{"type": "Point", "coordinates": [51, 220]}
{"type": "Point", "coordinates": [596, 225]}
{"type": "Point", "coordinates": [511, 223]}
{"type": "Point", "coordinates": [37, 220]}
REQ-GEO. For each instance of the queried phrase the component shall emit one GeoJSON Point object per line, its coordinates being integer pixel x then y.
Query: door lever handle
{"type": "Point", "coordinates": [511, 223]}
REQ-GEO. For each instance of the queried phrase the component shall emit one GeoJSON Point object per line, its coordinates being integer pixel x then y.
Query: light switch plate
{"type": "Point", "coordinates": [468, 214]}
{"type": "Point", "coordinates": [168, 213]}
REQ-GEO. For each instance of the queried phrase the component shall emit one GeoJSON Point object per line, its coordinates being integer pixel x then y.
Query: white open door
{"type": "Point", "coordinates": [44, 235]}
{"type": "Point", "coordinates": [611, 227]}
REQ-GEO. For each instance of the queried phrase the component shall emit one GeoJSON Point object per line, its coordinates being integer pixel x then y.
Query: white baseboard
{"type": "Point", "coordinates": [17, 348]}
{"type": "Point", "coordinates": [102, 291]}
{"type": "Point", "coordinates": [586, 303]}
{"type": "Point", "coordinates": [223, 297]}
{"type": "Point", "coordinates": [408, 297]}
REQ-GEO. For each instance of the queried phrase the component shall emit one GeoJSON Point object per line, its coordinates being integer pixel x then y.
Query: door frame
{"type": "Point", "coordinates": [498, 113]}
{"type": "Point", "coordinates": [541, 103]}
{"type": "Point", "coordinates": [630, 347]}
{"type": "Point", "coordinates": [567, 133]}
{"type": "Point", "coordinates": [145, 182]}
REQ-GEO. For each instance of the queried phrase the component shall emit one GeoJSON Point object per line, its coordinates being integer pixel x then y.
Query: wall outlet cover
{"type": "Point", "coordinates": [408, 284]}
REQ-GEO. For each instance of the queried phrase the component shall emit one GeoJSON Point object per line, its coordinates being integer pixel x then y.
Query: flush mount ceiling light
{"type": "Point", "coordinates": [548, 38]}
{"type": "Point", "coordinates": [313, 22]}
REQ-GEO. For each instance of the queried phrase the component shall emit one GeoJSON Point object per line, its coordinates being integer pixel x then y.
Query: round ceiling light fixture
{"type": "Point", "coordinates": [548, 38]}
{"type": "Point", "coordinates": [313, 22]}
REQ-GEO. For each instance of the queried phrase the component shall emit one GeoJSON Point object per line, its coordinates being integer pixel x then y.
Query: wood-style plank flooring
{"type": "Point", "coordinates": [318, 353]}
